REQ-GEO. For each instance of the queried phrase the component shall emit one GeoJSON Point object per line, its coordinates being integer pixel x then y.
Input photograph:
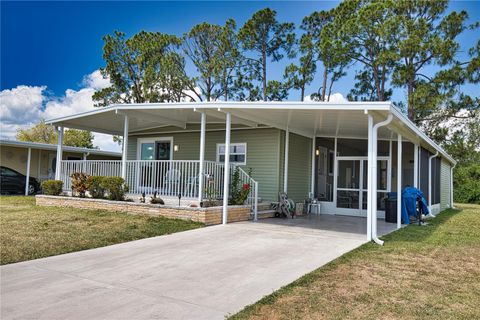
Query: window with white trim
{"type": "Point", "coordinates": [238, 153]}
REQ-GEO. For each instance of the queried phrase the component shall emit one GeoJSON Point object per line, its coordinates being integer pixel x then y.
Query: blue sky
{"type": "Point", "coordinates": [54, 45]}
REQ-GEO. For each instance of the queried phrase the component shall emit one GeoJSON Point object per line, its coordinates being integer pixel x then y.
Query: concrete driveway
{"type": "Point", "coordinates": [200, 274]}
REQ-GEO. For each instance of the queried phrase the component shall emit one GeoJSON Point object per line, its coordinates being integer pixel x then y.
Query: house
{"type": "Point", "coordinates": [347, 155]}
{"type": "Point", "coordinates": [38, 160]}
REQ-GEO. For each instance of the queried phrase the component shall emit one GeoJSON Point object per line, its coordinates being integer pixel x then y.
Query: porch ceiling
{"type": "Point", "coordinates": [304, 118]}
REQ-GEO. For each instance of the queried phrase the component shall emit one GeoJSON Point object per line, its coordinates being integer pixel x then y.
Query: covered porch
{"type": "Point", "coordinates": [370, 122]}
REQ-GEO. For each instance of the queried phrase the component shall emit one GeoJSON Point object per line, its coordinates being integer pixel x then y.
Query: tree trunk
{"type": "Point", "coordinates": [302, 93]}
{"type": "Point", "coordinates": [377, 84]}
{"type": "Point", "coordinates": [324, 85]}
{"type": "Point", "coordinates": [410, 100]}
{"type": "Point", "coordinates": [264, 75]}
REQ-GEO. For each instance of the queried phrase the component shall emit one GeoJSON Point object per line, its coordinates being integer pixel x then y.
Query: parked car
{"type": "Point", "coordinates": [12, 181]}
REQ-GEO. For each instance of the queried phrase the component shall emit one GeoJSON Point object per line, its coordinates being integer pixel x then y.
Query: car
{"type": "Point", "coordinates": [12, 181]}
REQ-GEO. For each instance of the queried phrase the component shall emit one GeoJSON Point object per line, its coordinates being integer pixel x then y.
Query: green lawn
{"type": "Point", "coordinates": [30, 232]}
{"type": "Point", "coordinates": [429, 272]}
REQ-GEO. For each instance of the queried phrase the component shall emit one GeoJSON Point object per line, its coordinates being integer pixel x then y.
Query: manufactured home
{"type": "Point", "coordinates": [346, 155]}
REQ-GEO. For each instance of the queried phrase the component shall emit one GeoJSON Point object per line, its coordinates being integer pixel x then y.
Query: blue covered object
{"type": "Point", "coordinates": [409, 203]}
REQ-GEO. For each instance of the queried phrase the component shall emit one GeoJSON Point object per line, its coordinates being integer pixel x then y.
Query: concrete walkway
{"type": "Point", "coordinates": [200, 274]}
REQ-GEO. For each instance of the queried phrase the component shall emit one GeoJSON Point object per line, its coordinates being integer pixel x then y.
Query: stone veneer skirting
{"type": "Point", "coordinates": [208, 216]}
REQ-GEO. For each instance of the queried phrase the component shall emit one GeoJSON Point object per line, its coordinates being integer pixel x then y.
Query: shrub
{"type": "Point", "coordinates": [79, 183]}
{"type": "Point", "coordinates": [95, 188]}
{"type": "Point", "coordinates": [239, 192]}
{"type": "Point", "coordinates": [467, 184]}
{"type": "Point", "coordinates": [115, 188]}
{"type": "Point", "coordinates": [52, 187]}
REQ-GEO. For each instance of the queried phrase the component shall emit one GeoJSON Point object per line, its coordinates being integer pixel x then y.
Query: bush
{"type": "Point", "coordinates": [94, 187]}
{"type": "Point", "coordinates": [52, 187]}
{"type": "Point", "coordinates": [115, 188]}
{"type": "Point", "coordinates": [467, 184]}
{"type": "Point", "coordinates": [239, 192]}
{"type": "Point", "coordinates": [79, 183]}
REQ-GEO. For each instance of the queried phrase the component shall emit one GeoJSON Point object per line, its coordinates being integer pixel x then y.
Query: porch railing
{"type": "Point", "coordinates": [166, 177]}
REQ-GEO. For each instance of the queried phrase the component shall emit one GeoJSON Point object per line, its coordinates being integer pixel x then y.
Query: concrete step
{"type": "Point", "coordinates": [262, 206]}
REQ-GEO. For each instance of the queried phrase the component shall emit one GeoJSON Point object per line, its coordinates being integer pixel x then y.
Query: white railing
{"type": "Point", "coordinates": [246, 179]}
{"type": "Point", "coordinates": [166, 177]}
{"type": "Point", "coordinates": [109, 168]}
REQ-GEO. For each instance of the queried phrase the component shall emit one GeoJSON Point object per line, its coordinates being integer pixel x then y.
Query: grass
{"type": "Point", "coordinates": [428, 272]}
{"type": "Point", "coordinates": [30, 232]}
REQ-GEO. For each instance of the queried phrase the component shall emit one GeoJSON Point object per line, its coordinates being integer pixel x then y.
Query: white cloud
{"type": "Point", "coordinates": [23, 106]}
{"type": "Point", "coordinates": [96, 80]}
{"type": "Point", "coordinates": [335, 98]}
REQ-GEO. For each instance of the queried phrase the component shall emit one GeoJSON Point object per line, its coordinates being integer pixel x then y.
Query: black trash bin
{"type": "Point", "coordinates": [391, 208]}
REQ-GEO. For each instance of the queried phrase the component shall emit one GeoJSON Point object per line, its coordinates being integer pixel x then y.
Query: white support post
{"type": "Point", "coordinates": [27, 177]}
{"type": "Point", "coordinates": [39, 167]}
{"type": "Point", "coordinates": [125, 147]}
{"type": "Point", "coordinates": [312, 182]}
{"type": "Point", "coordinates": [285, 163]}
{"type": "Point", "coordinates": [399, 181]}
{"type": "Point", "coordinates": [58, 165]}
{"type": "Point", "coordinates": [415, 165]}
{"type": "Point", "coordinates": [84, 156]}
{"type": "Point", "coordinates": [201, 169]}
{"type": "Point", "coordinates": [369, 178]}
{"type": "Point", "coordinates": [389, 168]}
{"type": "Point", "coordinates": [226, 177]}
{"type": "Point", "coordinates": [335, 173]}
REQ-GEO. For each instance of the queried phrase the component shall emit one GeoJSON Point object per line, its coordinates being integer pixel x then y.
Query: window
{"type": "Point", "coordinates": [238, 153]}
{"type": "Point", "coordinates": [6, 172]}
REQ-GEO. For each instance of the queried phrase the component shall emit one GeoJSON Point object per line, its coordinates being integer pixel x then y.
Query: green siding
{"type": "Point", "coordinates": [299, 167]}
{"type": "Point", "coordinates": [262, 153]}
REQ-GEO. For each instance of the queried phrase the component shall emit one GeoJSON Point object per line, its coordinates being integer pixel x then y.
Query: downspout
{"type": "Point", "coordinates": [430, 183]}
{"type": "Point", "coordinates": [374, 176]}
{"type": "Point", "coordinates": [451, 185]}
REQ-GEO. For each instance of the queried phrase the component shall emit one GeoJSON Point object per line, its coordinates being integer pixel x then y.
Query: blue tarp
{"type": "Point", "coordinates": [409, 203]}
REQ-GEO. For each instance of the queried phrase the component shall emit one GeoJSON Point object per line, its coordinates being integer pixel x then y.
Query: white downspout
{"type": "Point", "coordinates": [451, 185]}
{"type": "Point", "coordinates": [374, 177]}
{"type": "Point", "coordinates": [399, 181]}
{"type": "Point", "coordinates": [312, 181]}
{"type": "Point", "coordinates": [369, 179]}
{"type": "Point", "coordinates": [430, 182]}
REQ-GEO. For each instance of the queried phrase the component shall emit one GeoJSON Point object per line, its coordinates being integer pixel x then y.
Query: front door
{"type": "Point", "coordinates": [151, 174]}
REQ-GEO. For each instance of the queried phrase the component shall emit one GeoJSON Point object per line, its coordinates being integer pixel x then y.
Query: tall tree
{"type": "Point", "coordinates": [45, 133]}
{"type": "Point", "coordinates": [427, 36]}
{"type": "Point", "coordinates": [266, 38]}
{"type": "Point", "coordinates": [143, 68]}
{"type": "Point", "coordinates": [318, 42]}
{"type": "Point", "coordinates": [212, 49]}
{"type": "Point", "coordinates": [300, 75]}
{"type": "Point", "coordinates": [366, 33]}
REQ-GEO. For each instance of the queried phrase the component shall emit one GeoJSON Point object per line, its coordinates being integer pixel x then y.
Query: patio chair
{"type": "Point", "coordinates": [286, 207]}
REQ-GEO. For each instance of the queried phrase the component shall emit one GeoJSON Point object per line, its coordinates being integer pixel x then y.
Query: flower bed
{"type": "Point", "coordinates": [208, 216]}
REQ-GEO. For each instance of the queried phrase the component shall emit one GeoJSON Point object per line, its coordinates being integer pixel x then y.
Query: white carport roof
{"type": "Point", "coordinates": [304, 118]}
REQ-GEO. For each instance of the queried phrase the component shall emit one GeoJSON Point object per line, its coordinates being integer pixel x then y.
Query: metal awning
{"type": "Point", "coordinates": [308, 119]}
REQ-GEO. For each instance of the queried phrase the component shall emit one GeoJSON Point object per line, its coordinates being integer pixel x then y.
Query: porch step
{"type": "Point", "coordinates": [264, 214]}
